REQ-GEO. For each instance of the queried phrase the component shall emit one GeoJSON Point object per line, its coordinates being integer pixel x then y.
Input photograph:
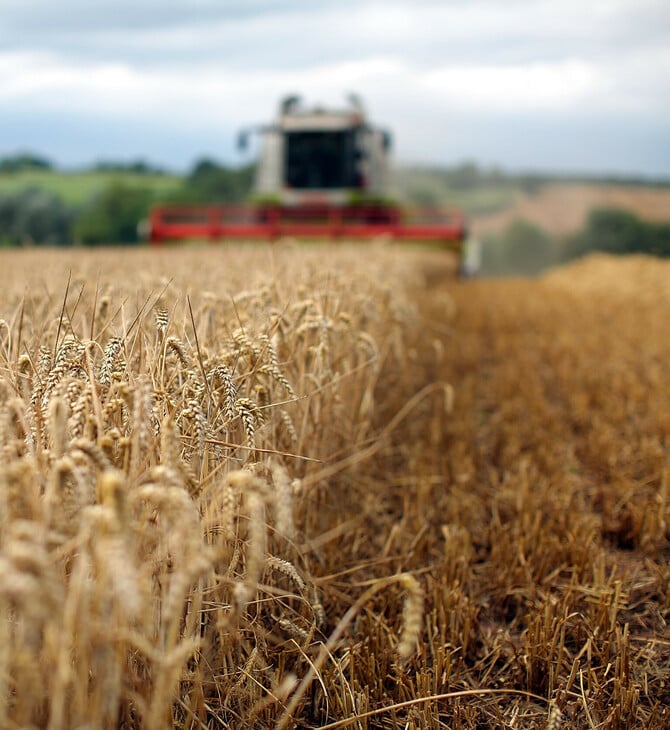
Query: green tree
{"type": "Point", "coordinates": [35, 216]}
{"type": "Point", "coordinates": [214, 183]}
{"type": "Point", "coordinates": [464, 176]}
{"type": "Point", "coordinates": [24, 161]}
{"type": "Point", "coordinates": [660, 239]}
{"type": "Point", "coordinates": [137, 167]}
{"type": "Point", "coordinates": [522, 248]}
{"type": "Point", "coordinates": [617, 231]}
{"type": "Point", "coordinates": [113, 215]}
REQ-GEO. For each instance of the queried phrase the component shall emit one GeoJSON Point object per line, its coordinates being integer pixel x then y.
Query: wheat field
{"type": "Point", "coordinates": [284, 487]}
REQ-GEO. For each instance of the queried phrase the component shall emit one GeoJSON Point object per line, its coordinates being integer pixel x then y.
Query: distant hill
{"type": "Point", "coordinates": [24, 161]}
{"type": "Point", "coordinates": [482, 192]}
{"type": "Point", "coordinates": [562, 208]}
{"type": "Point", "coordinates": [475, 189]}
{"type": "Point", "coordinates": [88, 205]}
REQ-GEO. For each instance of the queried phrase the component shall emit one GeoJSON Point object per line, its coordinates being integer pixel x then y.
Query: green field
{"type": "Point", "coordinates": [410, 184]}
{"type": "Point", "coordinates": [76, 187]}
{"type": "Point", "coordinates": [431, 187]}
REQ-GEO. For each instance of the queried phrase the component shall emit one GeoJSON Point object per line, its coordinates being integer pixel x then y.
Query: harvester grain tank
{"type": "Point", "coordinates": [321, 173]}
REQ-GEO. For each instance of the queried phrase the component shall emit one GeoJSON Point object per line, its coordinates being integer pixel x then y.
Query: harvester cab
{"type": "Point", "coordinates": [325, 157]}
{"type": "Point", "coordinates": [320, 174]}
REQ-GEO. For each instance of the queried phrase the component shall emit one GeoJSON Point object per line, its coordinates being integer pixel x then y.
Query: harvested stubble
{"type": "Point", "coordinates": [236, 490]}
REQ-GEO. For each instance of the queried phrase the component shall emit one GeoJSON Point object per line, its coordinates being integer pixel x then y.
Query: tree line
{"type": "Point", "coordinates": [38, 216]}
{"type": "Point", "coordinates": [524, 248]}
{"type": "Point", "coordinates": [111, 215]}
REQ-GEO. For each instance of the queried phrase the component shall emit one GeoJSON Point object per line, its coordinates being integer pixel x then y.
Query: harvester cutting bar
{"type": "Point", "coordinates": [218, 223]}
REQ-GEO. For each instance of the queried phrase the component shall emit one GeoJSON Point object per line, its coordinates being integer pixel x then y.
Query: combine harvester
{"type": "Point", "coordinates": [322, 174]}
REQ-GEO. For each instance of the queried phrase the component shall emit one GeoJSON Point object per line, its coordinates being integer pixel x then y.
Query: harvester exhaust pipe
{"type": "Point", "coordinates": [289, 104]}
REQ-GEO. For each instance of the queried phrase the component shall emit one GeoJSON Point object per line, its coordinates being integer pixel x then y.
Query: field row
{"type": "Point", "coordinates": [287, 487]}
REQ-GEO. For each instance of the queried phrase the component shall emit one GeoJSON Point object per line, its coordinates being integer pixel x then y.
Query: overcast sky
{"type": "Point", "coordinates": [562, 85]}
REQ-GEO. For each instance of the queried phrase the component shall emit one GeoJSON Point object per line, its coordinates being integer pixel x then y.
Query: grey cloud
{"type": "Point", "coordinates": [267, 34]}
{"type": "Point", "coordinates": [180, 42]}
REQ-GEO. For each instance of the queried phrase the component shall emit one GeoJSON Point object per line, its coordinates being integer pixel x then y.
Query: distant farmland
{"type": "Point", "coordinates": [559, 207]}
{"type": "Point", "coordinates": [562, 208]}
{"type": "Point", "coordinates": [77, 187]}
